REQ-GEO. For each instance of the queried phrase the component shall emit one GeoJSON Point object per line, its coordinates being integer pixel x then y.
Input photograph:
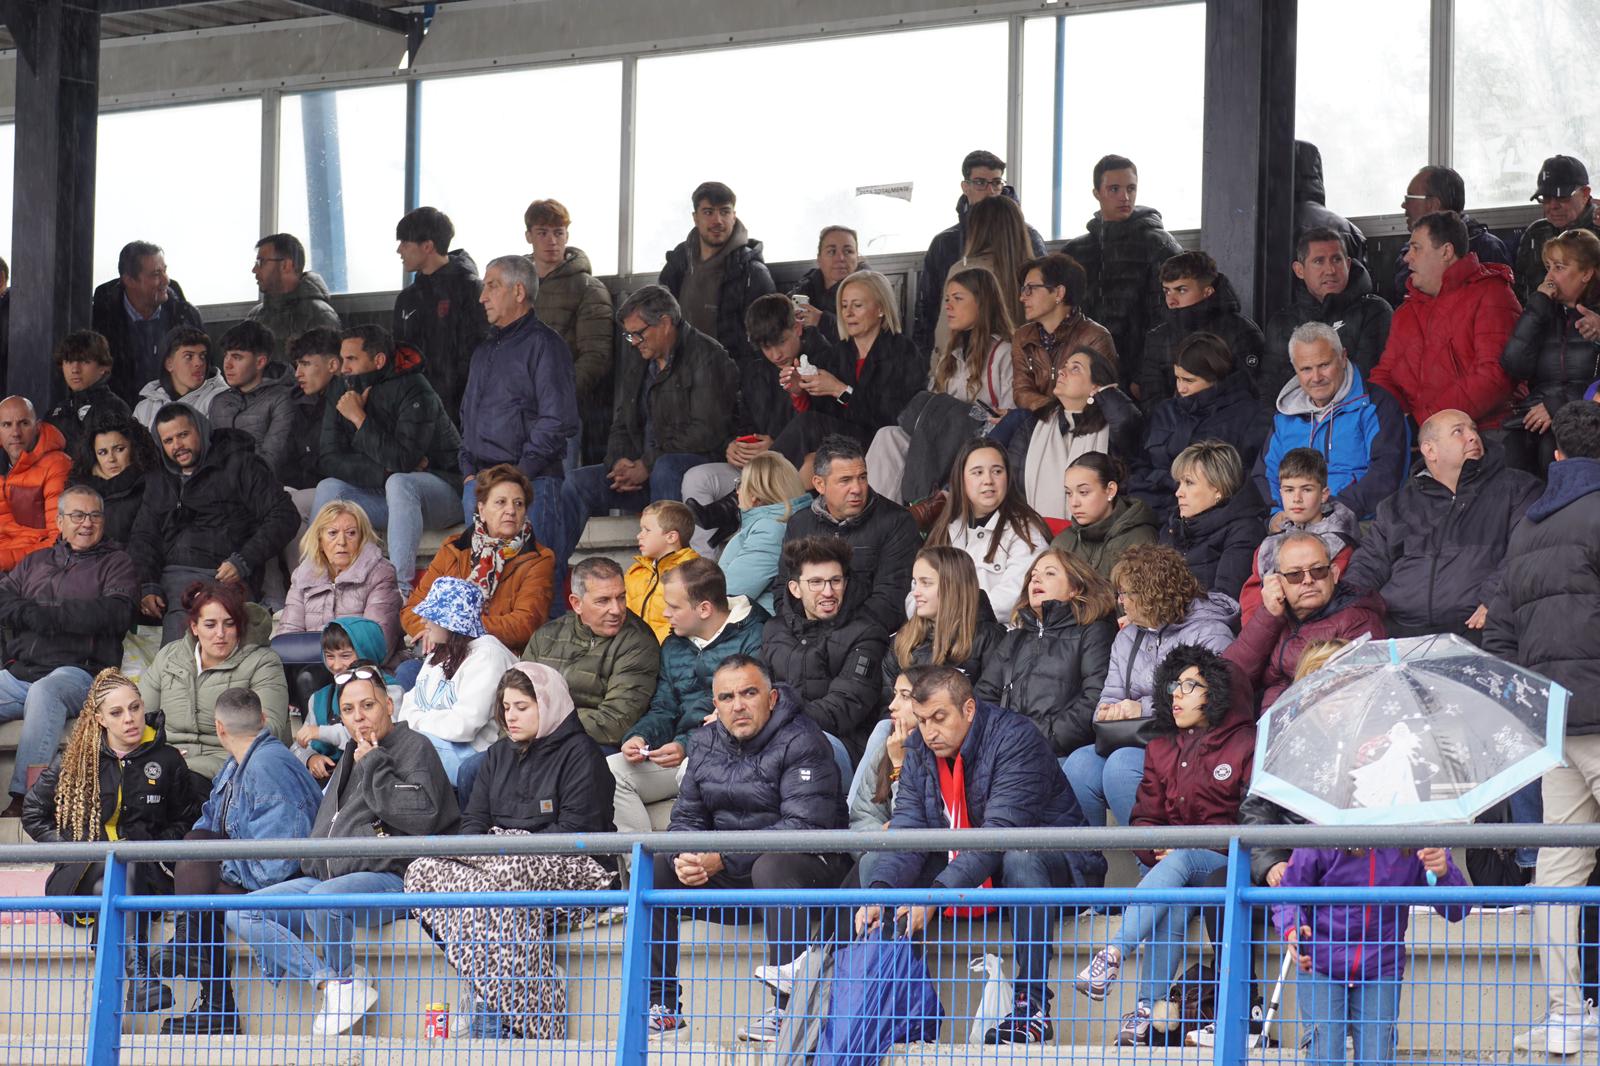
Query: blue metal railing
{"type": "Point", "coordinates": [1433, 1014]}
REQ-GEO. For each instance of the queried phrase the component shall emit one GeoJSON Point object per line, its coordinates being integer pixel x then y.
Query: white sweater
{"type": "Point", "coordinates": [460, 709]}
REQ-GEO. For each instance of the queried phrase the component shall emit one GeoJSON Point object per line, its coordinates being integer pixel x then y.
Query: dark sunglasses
{"type": "Point", "coordinates": [1316, 573]}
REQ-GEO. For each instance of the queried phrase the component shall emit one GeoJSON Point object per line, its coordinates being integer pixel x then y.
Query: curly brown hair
{"type": "Point", "coordinates": [78, 814]}
{"type": "Point", "coordinates": [1160, 580]}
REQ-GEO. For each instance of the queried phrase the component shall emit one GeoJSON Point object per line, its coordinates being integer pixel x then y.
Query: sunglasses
{"type": "Point", "coordinates": [1316, 573]}
{"type": "Point", "coordinates": [360, 673]}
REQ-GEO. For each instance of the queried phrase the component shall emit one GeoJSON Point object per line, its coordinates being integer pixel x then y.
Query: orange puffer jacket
{"type": "Point", "coordinates": [28, 497]}
{"type": "Point", "coordinates": [521, 602]}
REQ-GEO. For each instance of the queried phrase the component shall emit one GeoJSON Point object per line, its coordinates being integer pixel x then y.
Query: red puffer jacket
{"type": "Point", "coordinates": [1444, 351]}
{"type": "Point", "coordinates": [1200, 776]}
{"type": "Point", "coordinates": [1269, 646]}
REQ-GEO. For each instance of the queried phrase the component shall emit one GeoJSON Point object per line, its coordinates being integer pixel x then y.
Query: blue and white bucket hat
{"type": "Point", "coordinates": [454, 604]}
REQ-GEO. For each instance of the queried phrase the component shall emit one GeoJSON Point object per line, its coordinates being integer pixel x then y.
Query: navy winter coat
{"type": "Point", "coordinates": [1228, 411]}
{"type": "Point", "coordinates": [521, 403]}
{"type": "Point", "coordinates": [1219, 314]}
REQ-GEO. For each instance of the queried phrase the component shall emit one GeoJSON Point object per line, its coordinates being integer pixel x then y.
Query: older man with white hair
{"type": "Point", "coordinates": [521, 403]}
{"type": "Point", "coordinates": [1328, 405]}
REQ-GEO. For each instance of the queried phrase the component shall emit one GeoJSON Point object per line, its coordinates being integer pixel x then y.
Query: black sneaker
{"type": "Point", "coordinates": [1026, 1024]}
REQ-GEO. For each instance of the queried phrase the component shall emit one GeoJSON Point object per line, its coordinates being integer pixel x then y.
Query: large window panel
{"type": "Point", "coordinates": [1361, 96]}
{"type": "Point", "coordinates": [1155, 121]}
{"type": "Point", "coordinates": [493, 143]}
{"type": "Point", "coordinates": [189, 179]}
{"type": "Point", "coordinates": [1523, 75]}
{"type": "Point", "coordinates": [798, 130]}
{"type": "Point", "coordinates": [344, 151]}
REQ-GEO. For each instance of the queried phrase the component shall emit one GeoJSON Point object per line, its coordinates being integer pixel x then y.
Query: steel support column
{"type": "Point", "coordinates": [58, 70]}
{"type": "Point", "coordinates": [1247, 195]}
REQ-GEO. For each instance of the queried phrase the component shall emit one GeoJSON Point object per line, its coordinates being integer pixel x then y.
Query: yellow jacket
{"type": "Point", "coordinates": [643, 583]}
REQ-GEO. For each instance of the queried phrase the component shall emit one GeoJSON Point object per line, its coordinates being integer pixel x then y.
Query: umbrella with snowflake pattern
{"type": "Point", "coordinates": [1408, 731]}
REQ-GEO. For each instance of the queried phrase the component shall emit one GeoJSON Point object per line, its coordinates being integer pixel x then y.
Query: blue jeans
{"type": "Point", "coordinates": [1365, 1009]}
{"type": "Point", "coordinates": [841, 756]}
{"type": "Point", "coordinates": [44, 707]}
{"type": "Point", "coordinates": [1165, 926]}
{"type": "Point", "coordinates": [409, 504]}
{"type": "Point", "coordinates": [587, 493]}
{"type": "Point", "coordinates": [1105, 782]}
{"type": "Point", "coordinates": [1527, 808]}
{"type": "Point", "coordinates": [276, 935]}
{"type": "Point", "coordinates": [452, 754]}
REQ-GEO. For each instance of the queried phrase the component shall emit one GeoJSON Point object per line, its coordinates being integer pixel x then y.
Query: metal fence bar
{"type": "Point", "coordinates": [105, 1027]}
{"type": "Point", "coordinates": [632, 1039]}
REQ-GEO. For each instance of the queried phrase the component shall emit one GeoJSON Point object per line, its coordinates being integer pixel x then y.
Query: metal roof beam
{"type": "Point", "coordinates": [363, 12]}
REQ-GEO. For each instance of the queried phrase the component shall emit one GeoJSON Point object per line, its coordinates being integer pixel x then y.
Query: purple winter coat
{"type": "Point", "coordinates": [1358, 943]}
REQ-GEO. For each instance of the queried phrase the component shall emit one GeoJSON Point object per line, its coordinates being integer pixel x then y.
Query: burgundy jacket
{"type": "Point", "coordinates": [1268, 648]}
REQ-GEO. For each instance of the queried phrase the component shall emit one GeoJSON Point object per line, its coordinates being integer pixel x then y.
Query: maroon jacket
{"type": "Point", "coordinates": [1268, 647]}
{"type": "Point", "coordinates": [1199, 776]}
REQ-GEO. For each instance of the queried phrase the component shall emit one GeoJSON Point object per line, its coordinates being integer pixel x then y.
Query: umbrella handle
{"type": "Point", "coordinates": [1433, 879]}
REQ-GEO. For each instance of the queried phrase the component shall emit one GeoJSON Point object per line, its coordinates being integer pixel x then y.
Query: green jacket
{"type": "Point", "coordinates": [683, 692]}
{"type": "Point", "coordinates": [691, 403]}
{"type": "Point", "coordinates": [292, 313]}
{"type": "Point", "coordinates": [577, 305]}
{"type": "Point", "coordinates": [611, 680]}
{"type": "Point", "coordinates": [406, 423]}
{"type": "Point", "coordinates": [1130, 522]}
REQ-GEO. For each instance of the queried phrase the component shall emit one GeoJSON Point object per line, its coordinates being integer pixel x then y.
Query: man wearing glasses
{"type": "Point", "coordinates": [1563, 196]}
{"type": "Point", "coordinates": [824, 647]}
{"type": "Point", "coordinates": [1437, 188]}
{"type": "Point", "coordinates": [983, 174]}
{"type": "Point", "coordinates": [66, 610]}
{"type": "Point", "coordinates": [293, 299]}
{"type": "Point", "coordinates": [1302, 604]}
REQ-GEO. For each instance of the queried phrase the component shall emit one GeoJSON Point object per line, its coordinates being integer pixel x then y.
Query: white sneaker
{"type": "Point", "coordinates": [344, 1003]}
{"type": "Point", "coordinates": [781, 978]}
{"type": "Point", "coordinates": [1565, 1034]}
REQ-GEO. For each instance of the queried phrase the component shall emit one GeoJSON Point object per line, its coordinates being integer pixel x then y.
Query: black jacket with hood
{"type": "Point", "coordinates": [556, 784]}
{"type": "Point", "coordinates": [406, 423]}
{"type": "Point", "coordinates": [1358, 314]}
{"type": "Point", "coordinates": [833, 664]}
{"type": "Point", "coordinates": [1051, 669]}
{"type": "Point", "coordinates": [439, 315]}
{"type": "Point", "coordinates": [943, 253]}
{"type": "Point", "coordinates": [230, 508]}
{"type": "Point", "coordinates": [1311, 199]}
{"type": "Point", "coordinates": [1123, 261]}
{"type": "Point", "coordinates": [1218, 313]}
{"type": "Point", "coordinates": [745, 278]}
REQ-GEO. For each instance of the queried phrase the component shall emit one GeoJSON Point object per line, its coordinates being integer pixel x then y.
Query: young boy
{"type": "Point", "coordinates": [664, 529]}
{"type": "Point", "coordinates": [344, 641]}
{"type": "Point", "coordinates": [1308, 507]}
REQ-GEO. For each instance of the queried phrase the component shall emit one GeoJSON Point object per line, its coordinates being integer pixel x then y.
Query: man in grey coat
{"type": "Point", "coordinates": [259, 400]}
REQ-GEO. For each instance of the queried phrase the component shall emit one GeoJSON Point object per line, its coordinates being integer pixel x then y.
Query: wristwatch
{"type": "Point", "coordinates": [844, 397]}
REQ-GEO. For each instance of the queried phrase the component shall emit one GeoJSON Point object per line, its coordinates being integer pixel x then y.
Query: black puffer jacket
{"type": "Point", "coordinates": [65, 607]}
{"type": "Point", "coordinates": [692, 403]}
{"type": "Point", "coordinates": [745, 279]}
{"type": "Point", "coordinates": [77, 409]}
{"type": "Point", "coordinates": [1228, 411]}
{"type": "Point", "coordinates": [765, 407]}
{"type": "Point", "coordinates": [1311, 198]}
{"type": "Point", "coordinates": [1547, 351]}
{"type": "Point", "coordinates": [985, 638]}
{"type": "Point", "coordinates": [1217, 313]}
{"type": "Point", "coordinates": [1359, 314]}
{"type": "Point", "coordinates": [784, 777]}
{"type": "Point", "coordinates": [1546, 614]}
{"type": "Point", "coordinates": [439, 315]}
{"type": "Point", "coordinates": [1254, 810]}
{"type": "Point", "coordinates": [883, 541]}
{"type": "Point", "coordinates": [131, 366]}
{"type": "Point", "coordinates": [832, 664]}
{"type": "Point", "coordinates": [946, 249]}
{"type": "Point", "coordinates": [231, 509]}
{"type": "Point", "coordinates": [305, 468]}
{"type": "Point", "coordinates": [1435, 556]}
{"type": "Point", "coordinates": [1051, 669]}
{"type": "Point", "coordinates": [406, 423]}
{"type": "Point", "coordinates": [1123, 261]}
{"type": "Point", "coordinates": [1220, 544]}
{"type": "Point", "coordinates": [893, 373]}
{"type": "Point", "coordinates": [559, 784]}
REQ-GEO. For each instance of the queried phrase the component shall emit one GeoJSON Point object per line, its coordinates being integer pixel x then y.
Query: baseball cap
{"type": "Point", "coordinates": [1561, 175]}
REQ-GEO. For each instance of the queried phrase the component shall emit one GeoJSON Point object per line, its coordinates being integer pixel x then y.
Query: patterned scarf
{"type": "Point", "coordinates": [490, 555]}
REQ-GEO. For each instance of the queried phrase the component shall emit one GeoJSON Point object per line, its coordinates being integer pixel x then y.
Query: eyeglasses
{"type": "Point", "coordinates": [263, 262]}
{"type": "Point", "coordinates": [360, 673]}
{"type": "Point", "coordinates": [1555, 199]}
{"type": "Point", "coordinates": [1187, 686]}
{"type": "Point", "coordinates": [1032, 287]}
{"type": "Point", "coordinates": [992, 184]}
{"type": "Point", "coordinates": [633, 337]}
{"type": "Point", "coordinates": [1316, 573]}
{"type": "Point", "coordinates": [1416, 196]}
{"type": "Point", "coordinates": [79, 518]}
{"type": "Point", "coordinates": [817, 584]}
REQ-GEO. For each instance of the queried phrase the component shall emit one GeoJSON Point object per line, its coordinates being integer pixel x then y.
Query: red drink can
{"type": "Point", "coordinates": [436, 1022]}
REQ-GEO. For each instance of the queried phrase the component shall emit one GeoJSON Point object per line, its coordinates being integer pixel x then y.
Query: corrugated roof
{"type": "Point", "coordinates": [136, 18]}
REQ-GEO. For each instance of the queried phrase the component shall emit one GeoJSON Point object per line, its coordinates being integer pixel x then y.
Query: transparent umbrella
{"type": "Point", "coordinates": [1408, 731]}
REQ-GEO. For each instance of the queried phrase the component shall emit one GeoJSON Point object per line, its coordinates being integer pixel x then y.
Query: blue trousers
{"type": "Point", "coordinates": [277, 936]}
{"type": "Point", "coordinates": [1105, 782]}
{"type": "Point", "coordinates": [587, 493]}
{"type": "Point", "coordinates": [408, 504]}
{"type": "Point", "coordinates": [44, 707]}
{"type": "Point", "coordinates": [1165, 926]}
{"type": "Point", "coordinates": [1366, 1010]}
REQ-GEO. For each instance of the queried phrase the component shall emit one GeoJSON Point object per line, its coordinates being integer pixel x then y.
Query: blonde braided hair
{"type": "Point", "coordinates": [78, 814]}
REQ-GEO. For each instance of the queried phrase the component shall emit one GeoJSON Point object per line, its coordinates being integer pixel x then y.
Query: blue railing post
{"type": "Point", "coordinates": [633, 1041]}
{"type": "Point", "coordinates": [1233, 969]}
{"type": "Point", "coordinates": [105, 1027]}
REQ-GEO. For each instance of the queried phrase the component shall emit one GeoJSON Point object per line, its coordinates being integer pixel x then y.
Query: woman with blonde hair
{"type": "Point", "coordinates": [342, 573]}
{"type": "Point", "coordinates": [118, 779]}
{"type": "Point", "coordinates": [769, 493]}
{"type": "Point", "coordinates": [1052, 664]}
{"type": "Point", "coordinates": [1220, 516]}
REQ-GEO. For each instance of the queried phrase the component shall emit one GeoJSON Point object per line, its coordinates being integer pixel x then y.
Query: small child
{"type": "Point", "coordinates": [664, 528]}
{"type": "Point", "coordinates": [1308, 507]}
{"type": "Point", "coordinates": [344, 641]}
{"type": "Point", "coordinates": [1352, 958]}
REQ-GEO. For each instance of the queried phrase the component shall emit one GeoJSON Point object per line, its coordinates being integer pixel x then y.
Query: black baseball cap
{"type": "Point", "coordinates": [1561, 175]}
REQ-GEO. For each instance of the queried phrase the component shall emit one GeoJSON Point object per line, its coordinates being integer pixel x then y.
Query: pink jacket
{"type": "Point", "coordinates": [368, 588]}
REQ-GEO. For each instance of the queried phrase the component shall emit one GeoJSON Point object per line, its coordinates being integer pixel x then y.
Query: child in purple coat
{"type": "Point", "coordinates": [1353, 957]}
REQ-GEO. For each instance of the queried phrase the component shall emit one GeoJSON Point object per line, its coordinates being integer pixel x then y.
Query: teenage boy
{"type": "Point", "coordinates": [664, 531]}
{"type": "Point", "coordinates": [1308, 507]}
{"type": "Point", "coordinates": [256, 402]}
{"type": "Point", "coordinates": [1199, 299]}
{"type": "Point", "coordinates": [84, 359]}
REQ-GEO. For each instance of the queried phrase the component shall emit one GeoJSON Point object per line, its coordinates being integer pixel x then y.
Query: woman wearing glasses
{"type": "Point", "coordinates": [1197, 771]}
{"type": "Point", "coordinates": [1051, 295]}
{"type": "Point", "coordinates": [225, 647]}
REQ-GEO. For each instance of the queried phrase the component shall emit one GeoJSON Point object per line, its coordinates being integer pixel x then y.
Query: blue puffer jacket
{"type": "Point", "coordinates": [750, 561]}
{"type": "Point", "coordinates": [521, 403]}
{"type": "Point", "coordinates": [1362, 433]}
{"type": "Point", "coordinates": [1013, 780]}
{"type": "Point", "coordinates": [268, 796]}
{"type": "Point", "coordinates": [784, 777]}
{"type": "Point", "coordinates": [683, 688]}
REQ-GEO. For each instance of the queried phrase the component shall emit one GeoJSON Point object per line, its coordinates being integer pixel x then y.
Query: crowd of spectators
{"type": "Point", "coordinates": [1014, 555]}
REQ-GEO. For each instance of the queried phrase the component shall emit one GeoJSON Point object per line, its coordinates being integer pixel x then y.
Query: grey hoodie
{"type": "Point", "coordinates": [1136, 651]}
{"type": "Point", "coordinates": [266, 413]}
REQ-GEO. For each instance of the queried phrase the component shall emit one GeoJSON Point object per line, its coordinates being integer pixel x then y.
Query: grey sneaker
{"type": "Point", "coordinates": [763, 1030]}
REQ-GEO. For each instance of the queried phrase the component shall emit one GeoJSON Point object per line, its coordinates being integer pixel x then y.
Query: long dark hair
{"type": "Point", "coordinates": [141, 446]}
{"type": "Point", "coordinates": [451, 654]}
{"type": "Point", "coordinates": [1102, 372]}
{"type": "Point", "coordinates": [1014, 510]}
{"type": "Point", "coordinates": [1213, 672]}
